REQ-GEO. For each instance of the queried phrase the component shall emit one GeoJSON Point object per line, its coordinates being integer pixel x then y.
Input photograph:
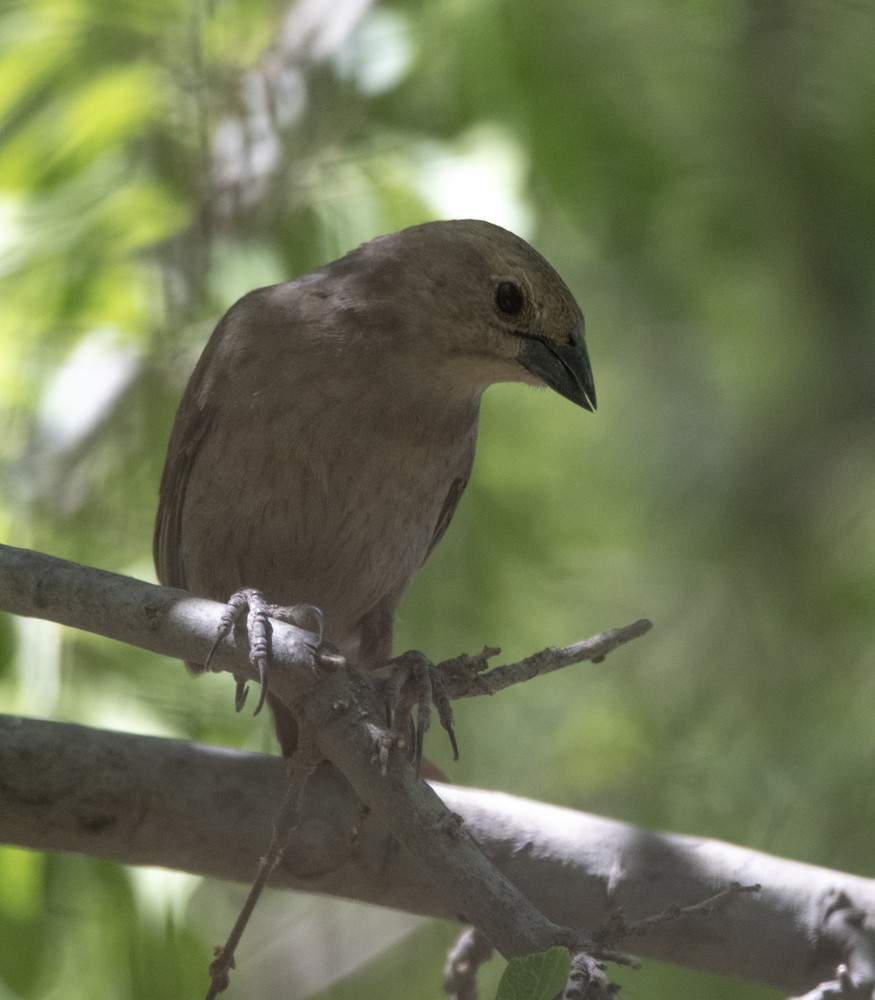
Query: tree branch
{"type": "Point", "coordinates": [147, 801]}
{"type": "Point", "coordinates": [177, 624]}
{"type": "Point", "coordinates": [464, 675]}
{"type": "Point", "coordinates": [210, 811]}
{"type": "Point", "coordinates": [337, 707]}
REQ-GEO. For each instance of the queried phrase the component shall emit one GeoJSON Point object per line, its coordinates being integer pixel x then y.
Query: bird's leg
{"type": "Point", "coordinates": [258, 613]}
{"type": "Point", "coordinates": [414, 679]}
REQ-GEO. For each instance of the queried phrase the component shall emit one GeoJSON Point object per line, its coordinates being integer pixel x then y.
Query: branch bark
{"type": "Point", "coordinates": [146, 801]}
{"type": "Point", "coordinates": [338, 708]}
{"type": "Point", "coordinates": [208, 810]}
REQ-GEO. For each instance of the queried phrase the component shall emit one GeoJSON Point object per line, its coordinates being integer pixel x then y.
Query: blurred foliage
{"type": "Point", "coordinates": [701, 175]}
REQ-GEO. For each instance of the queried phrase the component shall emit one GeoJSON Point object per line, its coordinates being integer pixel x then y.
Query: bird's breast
{"type": "Point", "coordinates": [334, 513]}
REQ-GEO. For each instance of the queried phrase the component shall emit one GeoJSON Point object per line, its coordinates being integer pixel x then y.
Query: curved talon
{"type": "Point", "coordinates": [320, 621]}
{"type": "Point", "coordinates": [418, 747]}
{"type": "Point", "coordinates": [258, 629]}
{"type": "Point", "coordinates": [240, 695]}
{"type": "Point", "coordinates": [301, 616]}
{"type": "Point", "coordinates": [262, 680]}
{"type": "Point", "coordinates": [422, 673]}
{"type": "Point", "coordinates": [451, 732]}
{"type": "Point", "coordinates": [445, 711]}
{"type": "Point", "coordinates": [226, 623]}
{"type": "Point", "coordinates": [213, 649]}
{"type": "Point", "coordinates": [427, 687]}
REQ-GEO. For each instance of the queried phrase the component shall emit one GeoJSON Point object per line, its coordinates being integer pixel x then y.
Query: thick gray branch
{"type": "Point", "coordinates": [175, 623]}
{"type": "Point", "coordinates": [208, 810]}
{"type": "Point", "coordinates": [141, 800]}
{"type": "Point", "coordinates": [160, 619]}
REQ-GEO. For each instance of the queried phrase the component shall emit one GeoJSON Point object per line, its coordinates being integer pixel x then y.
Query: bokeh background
{"type": "Point", "coordinates": [701, 174]}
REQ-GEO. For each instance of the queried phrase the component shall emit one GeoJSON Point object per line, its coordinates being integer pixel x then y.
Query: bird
{"type": "Point", "coordinates": [328, 430]}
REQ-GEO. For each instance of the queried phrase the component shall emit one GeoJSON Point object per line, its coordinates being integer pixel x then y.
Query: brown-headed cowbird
{"type": "Point", "coordinates": [328, 430]}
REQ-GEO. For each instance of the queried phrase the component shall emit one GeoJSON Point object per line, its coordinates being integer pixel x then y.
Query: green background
{"type": "Point", "coordinates": [701, 175]}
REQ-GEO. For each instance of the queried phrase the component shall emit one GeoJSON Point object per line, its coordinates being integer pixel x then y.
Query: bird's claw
{"type": "Point", "coordinates": [415, 680]}
{"type": "Point", "coordinates": [302, 616]}
{"type": "Point", "coordinates": [258, 613]}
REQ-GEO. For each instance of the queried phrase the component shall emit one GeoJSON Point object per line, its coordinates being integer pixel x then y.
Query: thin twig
{"type": "Point", "coordinates": [301, 766]}
{"type": "Point", "coordinates": [702, 908]}
{"type": "Point", "coordinates": [464, 676]}
{"type": "Point", "coordinates": [617, 929]}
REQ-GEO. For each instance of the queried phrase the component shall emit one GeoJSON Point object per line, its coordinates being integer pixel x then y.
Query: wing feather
{"type": "Point", "coordinates": [457, 488]}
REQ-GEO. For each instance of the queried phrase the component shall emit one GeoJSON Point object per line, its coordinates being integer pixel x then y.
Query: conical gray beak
{"type": "Point", "coordinates": [563, 367]}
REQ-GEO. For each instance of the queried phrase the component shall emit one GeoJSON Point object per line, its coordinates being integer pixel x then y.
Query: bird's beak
{"type": "Point", "coordinates": [564, 367]}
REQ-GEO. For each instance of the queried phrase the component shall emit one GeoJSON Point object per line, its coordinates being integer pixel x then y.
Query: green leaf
{"type": "Point", "coordinates": [540, 976]}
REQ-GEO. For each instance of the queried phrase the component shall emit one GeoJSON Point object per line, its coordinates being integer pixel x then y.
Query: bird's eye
{"type": "Point", "coordinates": [509, 297]}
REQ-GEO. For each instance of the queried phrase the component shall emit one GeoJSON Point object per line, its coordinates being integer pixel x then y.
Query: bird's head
{"type": "Point", "coordinates": [486, 307]}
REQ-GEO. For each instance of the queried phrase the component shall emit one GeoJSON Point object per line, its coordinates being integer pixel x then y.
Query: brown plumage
{"type": "Point", "coordinates": [328, 430]}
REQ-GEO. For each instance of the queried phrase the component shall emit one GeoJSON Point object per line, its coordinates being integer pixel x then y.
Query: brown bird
{"type": "Point", "coordinates": [328, 430]}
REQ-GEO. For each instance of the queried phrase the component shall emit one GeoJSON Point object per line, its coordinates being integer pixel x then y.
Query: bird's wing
{"type": "Point", "coordinates": [193, 421]}
{"type": "Point", "coordinates": [457, 488]}
{"type": "Point", "coordinates": [189, 430]}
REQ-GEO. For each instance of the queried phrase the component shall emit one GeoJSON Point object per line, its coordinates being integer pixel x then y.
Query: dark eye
{"type": "Point", "coordinates": [509, 298]}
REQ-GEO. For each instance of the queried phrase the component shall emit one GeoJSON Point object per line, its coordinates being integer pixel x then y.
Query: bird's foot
{"type": "Point", "coordinates": [415, 681]}
{"type": "Point", "coordinates": [258, 613]}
